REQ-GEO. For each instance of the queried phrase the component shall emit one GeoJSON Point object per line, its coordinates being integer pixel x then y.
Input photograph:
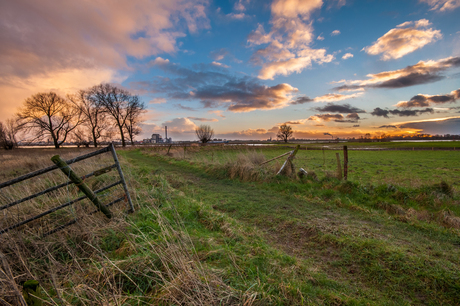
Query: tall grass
{"type": "Point", "coordinates": [140, 259]}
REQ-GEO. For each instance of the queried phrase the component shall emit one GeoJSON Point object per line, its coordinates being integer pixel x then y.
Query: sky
{"type": "Point", "coordinates": [244, 67]}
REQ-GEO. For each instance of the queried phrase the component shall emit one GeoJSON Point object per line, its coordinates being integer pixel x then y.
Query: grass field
{"type": "Point", "coordinates": [214, 228]}
{"type": "Point", "coordinates": [405, 168]}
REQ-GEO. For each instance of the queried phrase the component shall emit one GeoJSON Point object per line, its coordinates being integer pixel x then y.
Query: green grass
{"type": "Point", "coordinates": [408, 145]}
{"type": "Point", "coordinates": [324, 242]}
{"type": "Point", "coordinates": [200, 238]}
{"type": "Point", "coordinates": [404, 168]}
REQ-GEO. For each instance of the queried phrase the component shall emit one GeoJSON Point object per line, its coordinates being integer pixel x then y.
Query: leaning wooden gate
{"type": "Point", "coordinates": [74, 180]}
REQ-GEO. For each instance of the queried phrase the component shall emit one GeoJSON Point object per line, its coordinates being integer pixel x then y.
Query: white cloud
{"type": "Point", "coordinates": [335, 33]}
{"type": "Point", "coordinates": [320, 37]}
{"type": "Point", "coordinates": [347, 55]}
{"type": "Point", "coordinates": [220, 64]}
{"type": "Point", "coordinates": [286, 67]}
{"type": "Point", "coordinates": [331, 97]}
{"type": "Point", "coordinates": [180, 125]}
{"type": "Point", "coordinates": [237, 15]}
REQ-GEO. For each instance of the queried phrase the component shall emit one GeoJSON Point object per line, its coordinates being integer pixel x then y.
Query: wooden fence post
{"type": "Point", "coordinates": [289, 160]}
{"type": "Point", "coordinates": [120, 173]}
{"type": "Point", "coordinates": [339, 167]}
{"type": "Point", "coordinates": [345, 162]}
{"type": "Point", "coordinates": [80, 184]}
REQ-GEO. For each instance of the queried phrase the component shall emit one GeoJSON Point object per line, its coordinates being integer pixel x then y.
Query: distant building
{"type": "Point", "coordinates": [156, 138]}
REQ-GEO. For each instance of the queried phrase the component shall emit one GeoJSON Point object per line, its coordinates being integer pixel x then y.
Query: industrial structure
{"type": "Point", "coordinates": [156, 138]}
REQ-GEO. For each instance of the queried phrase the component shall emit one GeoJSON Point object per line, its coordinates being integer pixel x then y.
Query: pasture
{"type": "Point", "coordinates": [213, 227]}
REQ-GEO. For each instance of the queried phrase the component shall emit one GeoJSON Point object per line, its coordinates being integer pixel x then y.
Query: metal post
{"type": "Point", "coordinates": [125, 187]}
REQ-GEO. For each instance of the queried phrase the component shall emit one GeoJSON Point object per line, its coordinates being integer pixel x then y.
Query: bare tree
{"type": "Point", "coordinates": [5, 143]}
{"type": "Point", "coordinates": [284, 132]}
{"type": "Point", "coordinates": [49, 115]}
{"type": "Point", "coordinates": [8, 134]}
{"type": "Point", "coordinates": [80, 138]}
{"type": "Point", "coordinates": [204, 133]}
{"type": "Point", "coordinates": [95, 119]}
{"type": "Point", "coordinates": [135, 110]}
{"type": "Point", "coordinates": [116, 102]}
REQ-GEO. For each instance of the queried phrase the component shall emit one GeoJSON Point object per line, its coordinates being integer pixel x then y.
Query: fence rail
{"type": "Point", "coordinates": [98, 172]}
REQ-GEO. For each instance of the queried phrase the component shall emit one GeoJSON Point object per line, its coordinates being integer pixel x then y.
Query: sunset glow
{"type": "Point", "coordinates": [245, 67]}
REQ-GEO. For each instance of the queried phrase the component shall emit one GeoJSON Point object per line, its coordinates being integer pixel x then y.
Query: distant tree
{"type": "Point", "coordinates": [284, 132]}
{"type": "Point", "coordinates": [5, 143]}
{"type": "Point", "coordinates": [135, 110]}
{"type": "Point", "coordinates": [8, 132]}
{"type": "Point", "coordinates": [49, 115]}
{"type": "Point", "coordinates": [204, 133]}
{"type": "Point", "coordinates": [95, 119]}
{"type": "Point", "coordinates": [116, 102]}
{"type": "Point", "coordinates": [80, 138]}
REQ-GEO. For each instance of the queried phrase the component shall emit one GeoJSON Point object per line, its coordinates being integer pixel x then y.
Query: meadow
{"type": "Point", "coordinates": [213, 227]}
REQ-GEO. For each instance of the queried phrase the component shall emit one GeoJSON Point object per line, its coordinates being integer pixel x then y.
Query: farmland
{"type": "Point", "coordinates": [387, 236]}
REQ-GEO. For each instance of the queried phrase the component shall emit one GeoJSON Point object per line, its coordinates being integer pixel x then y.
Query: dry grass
{"type": "Point", "coordinates": [76, 268]}
{"type": "Point", "coordinates": [99, 261]}
{"type": "Point", "coordinates": [22, 163]}
{"type": "Point", "coordinates": [247, 167]}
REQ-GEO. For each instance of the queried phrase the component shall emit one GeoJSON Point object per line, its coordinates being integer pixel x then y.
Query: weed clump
{"type": "Point", "coordinates": [247, 167]}
{"type": "Point", "coordinates": [347, 187]}
{"type": "Point", "coordinates": [444, 188]}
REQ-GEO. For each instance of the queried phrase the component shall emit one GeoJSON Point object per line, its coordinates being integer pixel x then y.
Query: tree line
{"type": "Point", "coordinates": [87, 117]}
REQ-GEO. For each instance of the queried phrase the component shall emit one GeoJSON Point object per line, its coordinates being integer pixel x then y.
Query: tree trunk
{"type": "Point", "coordinates": [94, 137]}
{"type": "Point", "coordinates": [123, 143]}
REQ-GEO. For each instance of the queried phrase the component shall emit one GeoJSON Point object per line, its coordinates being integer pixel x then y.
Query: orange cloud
{"type": "Point", "coordinates": [16, 89]}
{"type": "Point", "coordinates": [420, 73]}
{"type": "Point", "coordinates": [293, 8]}
{"type": "Point", "coordinates": [404, 39]}
{"type": "Point", "coordinates": [57, 45]}
{"type": "Point", "coordinates": [289, 40]}
{"type": "Point", "coordinates": [421, 100]}
{"type": "Point", "coordinates": [217, 112]}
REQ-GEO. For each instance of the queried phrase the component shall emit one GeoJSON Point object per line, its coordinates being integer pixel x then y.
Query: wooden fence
{"type": "Point", "coordinates": [75, 180]}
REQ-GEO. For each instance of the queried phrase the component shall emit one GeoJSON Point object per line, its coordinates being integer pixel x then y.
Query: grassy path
{"type": "Point", "coordinates": [371, 253]}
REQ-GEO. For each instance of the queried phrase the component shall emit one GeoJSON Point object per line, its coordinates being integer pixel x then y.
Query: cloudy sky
{"type": "Point", "coordinates": [343, 67]}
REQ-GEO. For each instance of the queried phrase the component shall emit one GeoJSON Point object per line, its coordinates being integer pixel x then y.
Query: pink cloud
{"type": "Point", "coordinates": [442, 5]}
